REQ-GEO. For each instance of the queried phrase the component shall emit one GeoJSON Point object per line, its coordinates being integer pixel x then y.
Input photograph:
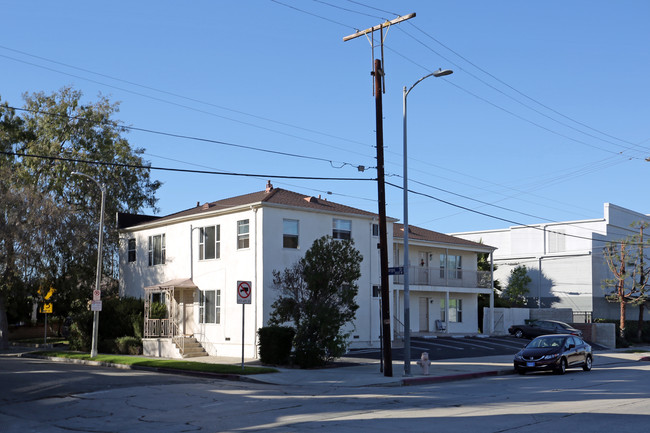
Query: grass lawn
{"type": "Point", "coordinates": [160, 363]}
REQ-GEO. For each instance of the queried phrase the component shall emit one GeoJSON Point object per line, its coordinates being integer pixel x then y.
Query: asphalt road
{"type": "Point", "coordinates": [46, 397]}
{"type": "Point", "coordinates": [450, 348]}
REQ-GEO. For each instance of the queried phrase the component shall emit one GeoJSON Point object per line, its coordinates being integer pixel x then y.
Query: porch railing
{"type": "Point", "coordinates": [427, 276]}
{"type": "Point", "coordinates": [157, 328]}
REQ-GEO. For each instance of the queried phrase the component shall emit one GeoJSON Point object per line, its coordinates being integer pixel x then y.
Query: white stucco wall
{"type": "Point", "coordinates": [255, 264]}
{"type": "Point", "coordinates": [571, 270]}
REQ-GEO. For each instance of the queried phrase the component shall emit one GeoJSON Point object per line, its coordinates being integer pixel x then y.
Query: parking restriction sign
{"type": "Point", "coordinates": [244, 290]}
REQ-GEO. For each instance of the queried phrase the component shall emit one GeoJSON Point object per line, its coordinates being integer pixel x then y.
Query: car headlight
{"type": "Point", "coordinates": [518, 356]}
{"type": "Point", "coordinates": [551, 356]}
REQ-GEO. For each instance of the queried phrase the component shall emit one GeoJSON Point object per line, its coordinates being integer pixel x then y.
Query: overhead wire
{"type": "Point", "coordinates": [180, 170]}
{"type": "Point", "coordinates": [188, 137]}
{"type": "Point", "coordinates": [176, 95]}
{"type": "Point", "coordinates": [522, 93]}
{"type": "Point", "coordinates": [187, 107]}
{"type": "Point", "coordinates": [503, 219]}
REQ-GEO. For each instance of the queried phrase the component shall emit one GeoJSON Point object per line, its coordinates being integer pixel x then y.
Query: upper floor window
{"type": "Point", "coordinates": [453, 265]}
{"type": "Point", "coordinates": [131, 250]}
{"type": "Point", "coordinates": [242, 234]}
{"type": "Point", "coordinates": [556, 241]}
{"type": "Point", "coordinates": [341, 229]}
{"type": "Point", "coordinates": [157, 250]}
{"type": "Point", "coordinates": [290, 233]}
{"type": "Point", "coordinates": [210, 242]}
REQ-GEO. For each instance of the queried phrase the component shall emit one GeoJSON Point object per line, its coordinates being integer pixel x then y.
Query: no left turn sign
{"type": "Point", "coordinates": [244, 290]}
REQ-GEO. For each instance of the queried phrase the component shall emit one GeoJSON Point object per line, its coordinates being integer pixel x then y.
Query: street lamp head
{"type": "Point", "coordinates": [442, 72]}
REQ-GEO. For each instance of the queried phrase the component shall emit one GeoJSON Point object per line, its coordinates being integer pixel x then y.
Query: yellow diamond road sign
{"type": "Point", "coordinates": [47, 308]}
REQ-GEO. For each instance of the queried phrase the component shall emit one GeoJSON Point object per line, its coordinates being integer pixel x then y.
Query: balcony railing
{"type": "Point", "coordinates": [425, 276]}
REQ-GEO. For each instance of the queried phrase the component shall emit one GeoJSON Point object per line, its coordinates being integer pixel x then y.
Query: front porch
{"type": "Point", "coordinates": [169, 320]}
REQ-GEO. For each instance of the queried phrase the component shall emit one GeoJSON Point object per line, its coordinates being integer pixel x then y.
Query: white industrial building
{"type": "Point", "coordinates": [564, 259]}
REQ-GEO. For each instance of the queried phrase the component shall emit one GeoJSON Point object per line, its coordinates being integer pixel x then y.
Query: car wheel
{"type": "Point", "coordinates": [588, 364]}
{"type": "Point", "coordinates": [519, 333]}
{"type": "Point", "coordinates": [561, 369]}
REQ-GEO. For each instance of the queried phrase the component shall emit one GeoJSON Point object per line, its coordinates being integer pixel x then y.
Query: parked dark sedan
{"type": "Point", "coordinates": [535, 328]}
{"type": "Point", "coordinates": [554, 352]}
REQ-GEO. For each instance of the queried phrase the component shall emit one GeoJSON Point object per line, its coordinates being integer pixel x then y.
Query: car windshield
{"type": "Point", "coordinates": [546, 342]}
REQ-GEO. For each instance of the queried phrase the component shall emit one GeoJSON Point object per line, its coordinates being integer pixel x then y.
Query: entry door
{"type": "Point", "coordinates": [423, 262]}
{"type": "Point", "coordinates": [188, 312]}
{"type": "Point", "coordinates": [424, 314]}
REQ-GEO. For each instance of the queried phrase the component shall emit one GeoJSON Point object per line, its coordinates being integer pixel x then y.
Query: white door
{"type": "Point", "coordinates": [424, 314]}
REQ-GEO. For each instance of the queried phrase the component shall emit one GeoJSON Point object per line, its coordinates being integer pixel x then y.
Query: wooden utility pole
{"type": "Point", "coordinates": [383, 237]}
{"type": "Point", "coordinates": [378, 89]}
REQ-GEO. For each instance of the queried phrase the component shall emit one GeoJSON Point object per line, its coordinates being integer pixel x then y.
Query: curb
{"type": "Point", "coordinates": [423, 380]}
{"type": "Point", "coordinates": [223, 376]}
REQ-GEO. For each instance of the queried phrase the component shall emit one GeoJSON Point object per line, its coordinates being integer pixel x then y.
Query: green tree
{"type": "Point", "coordinates": [517, 291]}
{"type": "Point", "coordinates": [317, 295]}
{"type": "Point", "coordinates": [54, 136]}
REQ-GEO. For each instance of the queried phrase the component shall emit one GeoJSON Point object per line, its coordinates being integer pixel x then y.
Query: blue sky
{"type": "Point", "coordinates": [544, 119]}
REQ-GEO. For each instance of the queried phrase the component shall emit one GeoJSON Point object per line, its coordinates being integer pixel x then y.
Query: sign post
{"type": "Point", "coordinates": [46, 308]}
{"type": "Point", "coordinates": [244, 290]}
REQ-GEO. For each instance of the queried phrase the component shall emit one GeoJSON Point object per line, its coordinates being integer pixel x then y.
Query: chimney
{"type": "Point", "coordinates": [206, 206]}
{"type": "Point", "coordinates": [269, 186]}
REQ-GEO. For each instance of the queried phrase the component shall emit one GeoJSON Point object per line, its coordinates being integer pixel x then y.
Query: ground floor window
{"type": "Point", "coordinates": [210, 306]}
{"type": "Point", "coordinates": [455, 310]}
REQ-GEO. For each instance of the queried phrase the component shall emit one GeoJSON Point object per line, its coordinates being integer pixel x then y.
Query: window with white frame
{"type": "Point", "coordinates": [242, 234]}
{"type": "Point", "coordinates": [375, 230]}
{"type": "Point", "coordinates": [455, 310]}
{"type": "Point", "coordinates": [289, 233]}
{"type": "Point", "coordinates": [341, 229]}
{"type": "Point", "coordinates": [210, 306]}
{"type": "Point", "coordinates": [453, 265]}
{"type": "Point", "coordinates": [131, 250]}
{"type": "Point", "coordinates": [210, 242]}
{"type": "Point", "coordinates": [157, 250]}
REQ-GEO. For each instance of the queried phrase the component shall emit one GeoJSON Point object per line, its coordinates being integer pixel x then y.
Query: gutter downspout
{"type": "Point", "coordinates": [256, 285]}
{"type": "Point", "coordinates": [491, 317]}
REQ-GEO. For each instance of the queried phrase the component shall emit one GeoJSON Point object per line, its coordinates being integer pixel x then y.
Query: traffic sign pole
{"type": "Point", "coordinates": [244, 291]}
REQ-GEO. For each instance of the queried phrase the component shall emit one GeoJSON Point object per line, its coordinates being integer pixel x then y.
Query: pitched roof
{"type": "Point", "coordinates": [420, 234]}
{"type": "Point", "coordinates": [276, 196]}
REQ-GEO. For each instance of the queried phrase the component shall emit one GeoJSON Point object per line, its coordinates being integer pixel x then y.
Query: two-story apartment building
{"type": "Point", "coordinates": [194, 262]}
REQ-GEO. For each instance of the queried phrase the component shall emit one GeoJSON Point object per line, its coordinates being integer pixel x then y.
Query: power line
{"type": "Point", "coordinates": [500, 218]}
{"type": "Point", "coordinates": [178, 170]}
{"type": "Point", "coordinates": [176, 95]}
{"type": "Point", "coordinates": [209, 113]}
{"type": "Point", "coordinates": [314, 15]}
{"type": "Point", "coordinates": [188, 137]}
{"type": "Point", "coordinates": [523, 94]}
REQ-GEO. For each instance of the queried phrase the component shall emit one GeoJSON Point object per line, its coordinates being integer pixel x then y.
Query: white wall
{"type": "Point", "coordinates": [574, 273]}
{"type": "Point", "coordinates": [255, 264]}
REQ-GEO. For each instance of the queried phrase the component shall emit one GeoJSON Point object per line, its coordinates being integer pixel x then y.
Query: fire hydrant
{"type": "Point", "coordinates": [424, 363]}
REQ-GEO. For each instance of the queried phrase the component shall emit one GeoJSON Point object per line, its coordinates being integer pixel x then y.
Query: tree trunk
{"type": "Point", "coordinates": [621, 326]}
{"type": "Point", "coordinates": [4, 324]}
{"type": "Point", "coordinates": [639, 331]}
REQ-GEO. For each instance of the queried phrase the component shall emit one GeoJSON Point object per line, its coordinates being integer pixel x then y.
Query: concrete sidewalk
{"type": "Point", "coordinates": [364, 372]}
{"type": "Point", "coordinates": [367, 373]}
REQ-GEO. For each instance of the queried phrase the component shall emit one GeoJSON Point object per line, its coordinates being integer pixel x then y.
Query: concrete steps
{"type": "Point", "coordinates": [190, 348]}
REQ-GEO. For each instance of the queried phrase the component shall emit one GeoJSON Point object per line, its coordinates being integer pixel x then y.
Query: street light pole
{"type": "Point", "coordinates": [407, 298]}
{"type": "Point", "coordinates": [102, 187]}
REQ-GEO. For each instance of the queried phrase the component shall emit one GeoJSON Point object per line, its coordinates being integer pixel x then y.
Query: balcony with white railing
{"type": "Point", "coordinates": [428, 276]}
